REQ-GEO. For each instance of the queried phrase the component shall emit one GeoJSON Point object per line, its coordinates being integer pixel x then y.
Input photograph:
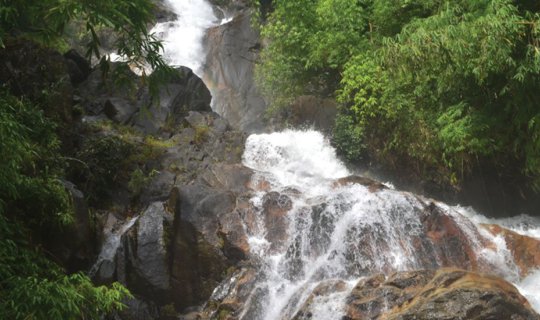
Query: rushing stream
{"type": "Point", "coordinates": [346, 231]}
{"type": "Point", "coordinates": [182, 38]}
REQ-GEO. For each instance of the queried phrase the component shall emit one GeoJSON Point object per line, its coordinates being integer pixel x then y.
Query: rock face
{"type": "Point", "coordinates": [449, 294]}
{"type": "Point", "coordinates": [525, 250]}
{"type": "Point", "coordinates": [312, 111]}
{"type": "Point", "coordinates": [149, 270]}
{"type": "Point", "coordinates": [132, 104]}
{"type": "Point", "coordinates": [232, 52]}
{"type": "Point", "coordinates": [190, 231]}
{"type": "Point", "coordinates": [370, 183]}
{"type": "Point", "coordinates": [208, 235]}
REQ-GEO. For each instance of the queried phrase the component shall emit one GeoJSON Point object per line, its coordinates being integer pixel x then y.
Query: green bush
{"type": "Point", "coordinates": [33, 202]}
{"type": "Point", "coordinates": [103, 163]}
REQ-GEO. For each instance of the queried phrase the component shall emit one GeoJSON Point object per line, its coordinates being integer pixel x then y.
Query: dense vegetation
{"type": "Point", "coordinates": [34, 203]}
{"type": "Point", "coordinates": [436, 86]}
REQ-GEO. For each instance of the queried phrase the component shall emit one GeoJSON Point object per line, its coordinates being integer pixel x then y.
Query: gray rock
{"type": "Point", "coordinates": [159, 187]}
{"type": "Point", "coordinates": [151, 260]}
{"type": "Point", "coordinates": [119, 110]}
{"type": "Point", "coordinates": [133, 105]}
{"type": "Point", "coordinates": [232, 52]}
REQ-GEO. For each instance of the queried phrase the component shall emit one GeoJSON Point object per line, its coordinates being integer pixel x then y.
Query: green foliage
{"type": "Point", "coordinates": [34, 288]}
{"type": "Point", "coordinates": [33, 202]}
{"type": "Point", "coordinates": [349, 136]}
{"type": "Point", "coordinates": [126, 21]}
{"type": "Point", "coordinates": [45, 21]}
{"type": "Point", "coordinates": [432, 85]}
{"type": "Point", "coordinates": [30, 170]}
{"type": "Point", "coordinates": [103, 163]}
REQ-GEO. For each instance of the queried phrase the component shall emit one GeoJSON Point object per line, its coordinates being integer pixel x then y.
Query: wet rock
{"type": "Point", "coordinates": [198, 261]}
{"type": "Point", "coordinates": [450, 294]}
{"type": "Point", "coordinates": [275, 209]}
{"type": "Point", "coordinates": [163, 11]}
{"type": "Point", "coordinates": [150, 273]}
{"type": "Point", "coordinates": [371, 184]}
{"type": "Point", "coordinates": [371, 296]}
{"type": "Point", "coordinates": [323, 289]}
{"type": "Point", "coordinates": [525, 250]}
{"type": "Point", "coordinates": [313, 112]}
{"type": "Point", "coordinates": [117, 249]}
{"type": "Point", "coordinates": [455, 294]}
{"type": "Point", "coordinates": [233, 49]}
{"type": "Point", "coordinates": [449, 243]}
{"type": "Point", "coordinates": [197, 266]}
{"type": "Point", "coordinates": [232, 295]}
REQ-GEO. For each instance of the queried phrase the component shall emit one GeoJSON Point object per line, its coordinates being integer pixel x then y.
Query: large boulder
{"type": "Point", "coordinates": [79, 68]}
{"type": "Point", "coordinates": [455, 294]}
{"type": "Point", "coordinates": [148, 272]}
{"type": "Point", "coordinates": [525, 250]}
{"type": "Point", "coordinates": [449, 294]}
{"type": "Point", "coordinates": [233, 49]}
{"type": "Point", "coordinates": [208, 235]}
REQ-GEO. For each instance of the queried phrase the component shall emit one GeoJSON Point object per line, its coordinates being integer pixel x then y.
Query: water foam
{"type": "Point", "coordinates": [183, 37]}
{"type": "Point", "coordinates": [346, 232]}
{"type": "Point", "coordinates": [113, 235]}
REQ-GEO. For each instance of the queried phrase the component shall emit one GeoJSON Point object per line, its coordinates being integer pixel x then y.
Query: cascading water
{"type": "Point", "coordinates": [113, 235]}
{"type": "Point", "coordinates": [182, 38]}
{"type": "Point", "coordinates": [344, 231]}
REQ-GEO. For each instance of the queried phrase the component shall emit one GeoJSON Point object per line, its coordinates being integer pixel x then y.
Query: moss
{"type": "Point", "coordinates": [223, 314]}
{"type": "Point", "coordinates": [201, 134]}
{"type": "Point", "coordinates": [158, 143]}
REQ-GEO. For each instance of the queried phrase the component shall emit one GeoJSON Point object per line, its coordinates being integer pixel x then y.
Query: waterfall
{"type": "Point", "coordinates": [183, 38]}
{"type": "Point", "coordinates": [113, 233]}
{"type": "Point", "coordinates": [345, 231]}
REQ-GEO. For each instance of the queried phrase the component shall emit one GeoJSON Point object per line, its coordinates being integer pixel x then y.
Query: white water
{"type": "Point", "coordinates": [113, 234]}
{"type": "Point", "coordinates": [530, 288]}
{"type": "Point", "coordinates": [346, 232]}
{"type": "Point", "coordinates": [182, 38]}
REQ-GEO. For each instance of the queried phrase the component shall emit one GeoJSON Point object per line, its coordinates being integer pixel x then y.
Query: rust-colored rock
{"type": "Point", "coordinates": [449, 294]}
{"type": "Point", "coordinates": [323, 289]}
{"type": "Point", "coordinates": [373, 295]}
{"type": "Point", "coordinates": [275, 209]}
{"type": "Point", "coordinates": [524, 249]}
{"type": "Point", "coordinates": [448, 241]}
{"type": "Point", "coordinates": [455, 294]}
{"type": "Point", "coordinates": [371, 184]}
{"type": "Point", "coordinates": [230, 297]}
